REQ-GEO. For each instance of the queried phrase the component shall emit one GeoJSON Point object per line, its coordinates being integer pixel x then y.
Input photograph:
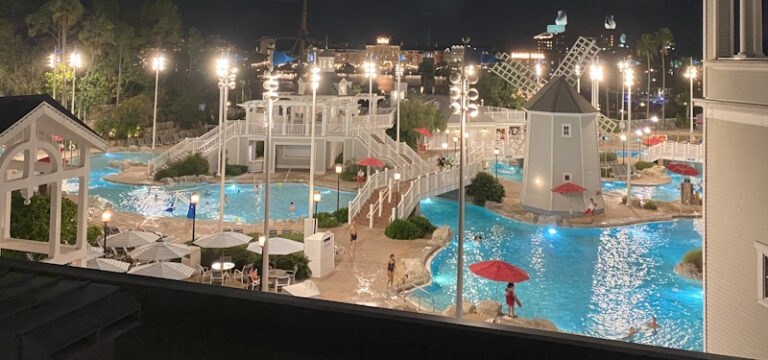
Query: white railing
{"type": "Point", "coordinates": [376, 208]}
{"type": "Point", "coordinates": [504, 115]}
{"type": "Point", "coordinates": [375, 181]}
{"type": "Point", "coordinates": [675, 151]}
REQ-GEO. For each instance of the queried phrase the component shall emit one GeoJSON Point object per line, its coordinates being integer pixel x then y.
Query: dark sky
{"type": "Point", "coordinates": [492, 23]}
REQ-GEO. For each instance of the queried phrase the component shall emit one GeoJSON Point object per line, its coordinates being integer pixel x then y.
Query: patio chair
{"type": "Point", "coordinates": [292, 273]}
{"type": "Point", "coordinates": [217, 275]}
{"type": "Point", "coordinates": [338, 250]}
{"type": "Point", "coordinates": [245, 273]}
{"type": "Point", "coordinates": [239, 231]}
{"type": "Point", "coordinates": [204, 273]}
{"type": "Point", "coordinates": [251, 284]}
{"type": "Point", "coordinates": [281, 282]}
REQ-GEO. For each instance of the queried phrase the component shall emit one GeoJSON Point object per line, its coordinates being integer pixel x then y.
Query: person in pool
{"type": "Point", "coordinates": [653, 325]}
{"type": "Point", "coordinates": [632, 332]}
{"type": "Point", "coordinates": [292, 208]}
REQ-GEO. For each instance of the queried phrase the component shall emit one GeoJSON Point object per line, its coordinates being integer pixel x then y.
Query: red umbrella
{"type": "Point", "coordinates": [683, 169]}
{"type": "Point", "coordinates": [651, 141]}
{"type": "Point", "coordinates": [423, 131]}
{"type": "Point", "coordinates": [498, 270]}
{"type": "Point", "coordinates": [371, 161]}
{"type": "Point", "coordinates": [568, 188]}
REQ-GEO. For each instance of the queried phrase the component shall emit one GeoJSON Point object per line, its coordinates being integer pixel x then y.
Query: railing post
{"type": "Point", "coordinates": [370, 217]}
{"type": "Point", "coordinates": [381, 202]}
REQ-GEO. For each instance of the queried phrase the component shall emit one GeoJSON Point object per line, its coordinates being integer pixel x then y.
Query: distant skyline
{"type": "Point", "coordinates": [500, 24]}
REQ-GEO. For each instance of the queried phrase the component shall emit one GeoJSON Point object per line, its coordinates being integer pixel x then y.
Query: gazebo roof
{"type": "Point", "coordinates": [559, 97]}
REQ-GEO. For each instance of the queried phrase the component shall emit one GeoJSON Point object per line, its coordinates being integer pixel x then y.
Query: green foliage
{"type": "Point", "coordinates": [694, 257]}
{"type": "Point", "coordinates": [496, 92]}
{"type": "Point", "coordinates": [339, 158]}
{"type": "Point", "coordinates": [286, 262]}
{"type": "Point", "coordinates": [485, 187]}
{"type": "Point", "coordinates": [416, 113]}
{"type": "Point", "coordinates": [94, 234]}
{"type": "Point", "coordinates": [608, 156]}
{"type": "Point", "coordinates": [403, 230]}
{"type": "Point", "coordinates": [236, 170]}
{"type": "Point", "coordinates": [423, 223]}
{"type": "Point", "coordinates": [624, 199]}
{"type": "Point", "coordinates": [31, 222]}
{"type": "Point", "coordinates": [342, 215]}
{"type": "Point", "coordinates": [326, 220]}
{"type": "Point", "coordinates": [240, 256]}
{"type": "Point", "coordinates": [346, 68]}
{"type": "Point", "coordinates": [350, 171]}
{"type": "Point", "coordinates": [606, 172]}
{"type": "Point", "coordinates": [427, 72]}
{"type": "Point", "coordinates": [642, 165]}
{"type": "Point", "coordinates": [194, 164]}
{"type": "Point", "coordinates": [182, 97]}
{"type": "Point", "coordinates": [650, 205]}
{"type": "Point", "coordinates": [133, 114]}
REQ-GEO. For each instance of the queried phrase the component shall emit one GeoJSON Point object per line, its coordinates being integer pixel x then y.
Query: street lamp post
{"type": "Point", "coordinates": [315, 78]}
{"type": "Point", "coordinates": [622, 66]}
{"type": "Point", "coordinates": [464, 99]}
{"type": "Point", "coordinates": [53, 62]}
{"type": "Point", "coordinates": [194, 199]}
{"type": "Point", "coordinates": [106, 217]}
{"type": "Point", "coordinates": [398, 76]}
{"type": "Point", "coordinates": [691, 75]}
{"type": "Point", "coordinates": [596, 74]}
{"type": "Point", "coordinates": [370, 73]}
{"type": "Point", "coordinates": [397, 193]}
{"type": "Point", "coordinates": [629, 79]}
{"type": "Point", "coordinates": [227, 76]}
{"type": "Point", "coordinates": [647, 132]}
{"type": "Point", "coordinates": [496, 153]}
{"type": "Point", "coordinates": [339, 169]}
{"type": "Point", "coordinates": [270, 95]}
{"type": "Point", "coordinates": [75, 62]}
{"type": "Point", "coordinates": [316, 199]}
{"type": "Point", "coordinates": [158, 65]}
{"type": "Point", "coordinates": [623, 148]}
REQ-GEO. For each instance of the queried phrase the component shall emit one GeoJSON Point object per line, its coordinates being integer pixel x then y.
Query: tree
{"type": "Point", "coordinates": [496, 92]}
{"type": "Point", "coordinates": [427, 71]}
{"type": "Point", "coordinates": [647, 47]}
{"type": "Point", "coordinates": [416, 113]}
{"type": "Point", "coordinates": [347, 68]}
{"type": "Point", "coordinates": [97, 32]}
{"type": "Point", "coordinates": [31, 221]}
{"type": "Point", "coordinates": [161, 23]}
{"type": "Point", "coordinates": [193, 45]}
{"type": "Point", "coordinates": [132, 115]}
{"type": "Point", "coordinates": [57, 18]}
{"type": "Point", "coordinates": [665, 40]}
{"type": "Point", "coordinates": [485, 187]}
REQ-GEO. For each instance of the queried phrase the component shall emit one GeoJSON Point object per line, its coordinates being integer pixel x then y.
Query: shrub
{"type": "Point", "coordinates": [694, 257]}
{"type": "Point", "coordinates": [94, 234]}
{"type": "Point", "coordinates": [31, 222]}
{"type": "Point", "coordinates": [624, 199]}
{"type": "Point", "coordinates": [236, 170]}
{"type": "Point", "coordinates": [341, 215]}
{"type": "Point", "coordinates": [650, 205]}
{"type": "Point", "coordinates": [642, 165]}
{"type": "Point", "coordinates": [350, 171]}
{"type": "Point", "coordinates": [287, 262]}
{"type": "Point", "coordinates": [194, 164]}
{"type": "Point", "coordinates": [326, 221]}
{"type": "Point", "coordinates": [339, 158]}
{"type": "Point", "coordinates": [403, 230]}
{"type": "Point", "coordinates": [485, 187]}
{"type": "Point", "coordinates": [423, 223]}
{"type": "Point", "coordinates": [608, 156]}
{"type": "Point", "coordinates": [240, 256]}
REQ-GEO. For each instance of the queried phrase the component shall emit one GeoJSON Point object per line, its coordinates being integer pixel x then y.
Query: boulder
{"type": "Point", "coordinates": [442, 236]}
{"type": "Point", "coordinates": [115, 164]}
{"type": "Point", "coordinates": [416, 271]}
{"type": "Point", "coordinates": [688, 270]}
{"type": "Point", "coordinates": [545, 220]}
{"type": "Point", "coordinates": [529, 218]}
{"type": "Point", "coordinates": [469, 308]}
{"type": "Point", "coordinates": [167, 181]}
{"type": "Point", "coordinates": [488, 308]}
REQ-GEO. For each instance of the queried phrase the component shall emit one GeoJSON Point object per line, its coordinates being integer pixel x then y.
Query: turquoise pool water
{"type": "Point", "coordinates": [665, 192]}
{"type": "Point", "coordinates": [246, 201]}
{"type": "Point", "coordinates": [594, 282]}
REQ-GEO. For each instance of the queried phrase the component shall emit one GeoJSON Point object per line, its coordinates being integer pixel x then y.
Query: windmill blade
{"type": "Point", "coordinates": [582, 53]}
{"type": "Point", "coordinates": [516, 74]}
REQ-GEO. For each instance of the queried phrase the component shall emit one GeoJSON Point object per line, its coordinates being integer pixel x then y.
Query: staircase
{"type": "Point", "coordinates": [204, 144]}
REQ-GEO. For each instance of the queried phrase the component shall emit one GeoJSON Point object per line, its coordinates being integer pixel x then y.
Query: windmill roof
{"type": "Point", "coordinates": [559, 97]}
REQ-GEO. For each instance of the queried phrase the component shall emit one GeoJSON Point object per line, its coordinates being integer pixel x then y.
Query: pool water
{"type": "Point", "coordinates": [664, 192]}
{"type": "Point", "coordinates": [594, 282]}
{"type": "Point", "coordinates": [245, 201]}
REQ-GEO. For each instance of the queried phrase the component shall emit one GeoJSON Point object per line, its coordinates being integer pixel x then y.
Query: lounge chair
{"type": "Point", "coordinates": [204, 273]}
{"type": "Point", "coordinates": [285, 232]}
{"type": "Point", "coordinates": [239, 231]}
{"type": "Point", "coordinates": [141, 142]}
{"type": "Point", "coordinates": [272, 232]}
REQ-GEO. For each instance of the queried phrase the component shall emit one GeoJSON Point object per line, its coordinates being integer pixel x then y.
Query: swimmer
{"type": "Point", "coordinates": [632, 332]}
{"type": "Point", "coordinates": [478, 238]}
{"type": "Point", "coordinates": [292, 208]}
{"type": "Point", "coordinates": [653, 324]}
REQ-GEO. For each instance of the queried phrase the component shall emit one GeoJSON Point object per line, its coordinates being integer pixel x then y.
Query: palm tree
{"type": "Point", "coordinates": [647, 48]}
{"type": "Point", "coordinates": [665, 41]}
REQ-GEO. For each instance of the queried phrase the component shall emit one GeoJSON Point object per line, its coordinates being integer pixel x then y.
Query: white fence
{"type": "Point", "coordinates": [675, 151]}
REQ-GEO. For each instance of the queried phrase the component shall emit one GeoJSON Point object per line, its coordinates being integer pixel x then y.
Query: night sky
{"type": "Point", "coordinates": [502, 24]}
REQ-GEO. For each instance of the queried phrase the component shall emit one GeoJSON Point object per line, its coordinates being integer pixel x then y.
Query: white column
{"type": "Point", "coordinates": [54, 231]}
{"type": "Point", "coordinates": [82, 201]}
{"type": "Point", "coordinates": [757, 28]}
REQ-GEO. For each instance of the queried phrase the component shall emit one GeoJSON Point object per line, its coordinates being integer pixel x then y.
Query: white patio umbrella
{"type": "Point", "coordinates": [94, 252]}
{"type": "Point", "coordinates": [108, 265]}
{"type": "Point", "coordinates": [131, 239]}
{"type": "Point", "coordinates": [278, 246]}
{"type": "Point", "coordinates": [303, 289]}
{"type": "Point", "coordinates": [223, 240]}
{"type": "Point", "coordinates": [160, 251]}
{"type": "Point", "coordinates": [165, 270]}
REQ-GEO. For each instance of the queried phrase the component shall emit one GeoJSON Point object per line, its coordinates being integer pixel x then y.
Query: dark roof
{"type": "Point", "coordinates": [14, 108]}
{"type": "Point", "coordinates": [558, 96]}
{"type": "Point", "coordinates": [45, 315]}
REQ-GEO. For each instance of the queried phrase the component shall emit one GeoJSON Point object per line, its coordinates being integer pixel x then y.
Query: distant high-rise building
{"type": "Point", "coordinates": [553, 46]}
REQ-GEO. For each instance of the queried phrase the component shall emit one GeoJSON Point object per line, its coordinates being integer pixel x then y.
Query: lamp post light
{"type": "Point", "coordinates": [227, 76]}
{"type": "Point", "coordinates": [339, 169]}
{"type": "Point", "coordinates": [596, 74]}
{"type": "Point", "coordinates": [316, 198]}
{"type": "Point", "coordinates": [106, 217]}
{"type": "Point", "coordinates": [315, 78]}
{"type": "Point", "coordinates": [622, 67]}
{"type": "Point", "coordinates": [75, 62]}
{"type": "Point", "coordinates": [496, 153]}
{"type": "Point", "coordinates": [691, 75]}
{"type": "Point", "coordinates": [464, 102]}
{"type": "Point", "coordinates": [270, 96]}
{"type": "Point", "coordinates": [629, 79]}
{"type": "Point", "coordinates": [370, 73]}
{"type": "Point", "coordinates": [398, 76]}
{"type": "Point", "coordinates": [194, 199]}
{"type": "Point", "coordinates": [623, 148]}
{"type": "Point", "coordinates": [158, 65]}
{"type": "Point", "coordinates": [53, 61]}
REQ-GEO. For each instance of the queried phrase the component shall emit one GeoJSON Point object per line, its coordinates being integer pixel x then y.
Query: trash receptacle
{"type": "Point", "coordinates": [320, 250]}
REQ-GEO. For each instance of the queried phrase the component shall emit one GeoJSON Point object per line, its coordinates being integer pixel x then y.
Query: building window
{"type": "Point", "coordinates": [566, 130]}
{"type": "Point", "coordinates": [567, 177]}
{"type": "Point", "coordinates": [762, 273]}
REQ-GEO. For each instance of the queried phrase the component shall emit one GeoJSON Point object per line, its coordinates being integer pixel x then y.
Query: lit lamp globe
{"type": "Point", "coordinates": [262, 240]}
{"type": "Point", "coordinates": [639, 133]}
{"type": "Point", "coordinates": [623, 137]}
{"type": "Point", "coordinates": [647, 130]}
{"type": "Point", "coordinates": [397, 176]}
{"type": "Point", "coordinates": [655, 118]}
{"type": "Point", "coordinates": [496, 151]}
{"type": "Point", "coordinates": [445, 146]}
{"type": "Point", "coordinates": [106, 216]}
{"type": "Point", "coordinates": [339, 168]}
{"type": "Point", "coordinates": [195, 198]}
{"type": "Point", "coordinates": [316, 197]}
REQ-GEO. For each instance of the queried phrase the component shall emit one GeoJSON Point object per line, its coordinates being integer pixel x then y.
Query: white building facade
{"type": "Point", "coordinates": [735, 103]}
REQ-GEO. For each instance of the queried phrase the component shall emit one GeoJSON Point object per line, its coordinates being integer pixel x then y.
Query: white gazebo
{"type": "Point", "coordinates": [33, 129]}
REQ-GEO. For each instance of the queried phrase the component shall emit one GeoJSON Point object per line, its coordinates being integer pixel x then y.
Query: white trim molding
{"type": "Point", "coordinates": [762, 273]}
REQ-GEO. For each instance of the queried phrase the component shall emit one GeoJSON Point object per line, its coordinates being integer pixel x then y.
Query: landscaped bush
{"type": "Point", "coordinates": [287, 262]}
{"type": "Point", "coordinates": [694, 257]}
{"type": "Point", "coordinates": [624, 199]}
{"type": "Point", "coordinates": [341, 215]}
{"type": "Point", "coordinates": [350, 171]}
{"type": "Point", "coordinates": [236, 170]}
{"type": "Point", "coordinates": [608, 156]}
{"type": "Point", "coordinates": [240, 256]}
{"type": "Point", "coordinates": [326, 220]}
{"type": "Point", "coordinates": [642, 165]}
{"type": "Point", "coordinates": [650, 205]}
{"type": "Point", "coordinates": [339, 158]}
{"type": "Point", "coordinates": [94, 234]}
{"type": "Point", "coordinates": [423, 223]}
{"type": "Point", "coordinates": [191, 165]}
{"type": "Point", "coordinates": [31, 222]}
{"type": "Point", "coordinates": [485, 187]}
{"type": "Point", "coordinates": [403, 230]}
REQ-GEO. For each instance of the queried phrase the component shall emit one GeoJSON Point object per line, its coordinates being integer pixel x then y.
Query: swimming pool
{"type": "Point", "coordinates": [594, 282]}
{"type": "Point", "coordinates": [245, 201]}
{"type": "Point", "coordinates": [664, 192]}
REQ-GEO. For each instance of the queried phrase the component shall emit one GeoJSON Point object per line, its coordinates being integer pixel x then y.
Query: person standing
{"type": "Point", "coordinates": [512, 299]}
{"type": "Point", "coordinates": [391, 271]}
{"type": "Point", "coordinates": [352, 238]}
